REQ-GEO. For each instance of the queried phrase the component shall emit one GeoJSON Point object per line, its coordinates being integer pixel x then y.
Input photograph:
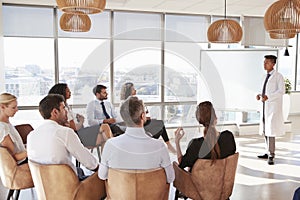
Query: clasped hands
{"type": "Point", "coordinates": [109, 121]}
{"type": "Point", "coordinates": [263, 97]}
{"type": "Point", "coordinates": [80, 118]}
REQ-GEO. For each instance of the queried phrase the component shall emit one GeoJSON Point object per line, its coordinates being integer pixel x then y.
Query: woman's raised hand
{"type": "Point", "coordinates": [179, 133]}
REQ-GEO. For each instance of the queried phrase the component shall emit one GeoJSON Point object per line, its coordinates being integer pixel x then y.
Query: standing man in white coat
{"type": "Point", "coordinates": [271, 123]}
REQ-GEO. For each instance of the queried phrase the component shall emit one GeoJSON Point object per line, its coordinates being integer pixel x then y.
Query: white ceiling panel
{"type": "Point", "coordinates": [209, 7]}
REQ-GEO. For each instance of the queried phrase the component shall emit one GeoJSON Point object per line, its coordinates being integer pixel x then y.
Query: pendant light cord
{"type": "Point", "coordinates": [225, 9]}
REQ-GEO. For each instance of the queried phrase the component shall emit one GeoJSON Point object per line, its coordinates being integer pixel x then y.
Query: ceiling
{"type": "Point", "coordinates": [209, 7]}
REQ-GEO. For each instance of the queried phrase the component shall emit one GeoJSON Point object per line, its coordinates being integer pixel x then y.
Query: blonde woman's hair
{"type": "Point", "coordinates": [126, 91]}
{"type": "Point", "coordinates": [7, 98]}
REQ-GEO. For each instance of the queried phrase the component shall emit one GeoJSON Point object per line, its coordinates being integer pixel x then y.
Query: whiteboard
{"type": "Point", "coordinates": [234, 77]}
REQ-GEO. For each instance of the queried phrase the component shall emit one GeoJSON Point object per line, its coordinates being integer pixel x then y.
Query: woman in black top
{"type": "Point", "coordinates": [214, 145]}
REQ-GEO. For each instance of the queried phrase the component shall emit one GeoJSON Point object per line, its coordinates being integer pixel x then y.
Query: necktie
{"type": "Point", "coordinates": [104, 110]}
{"type": "Point", "coordinates": [265, 84]}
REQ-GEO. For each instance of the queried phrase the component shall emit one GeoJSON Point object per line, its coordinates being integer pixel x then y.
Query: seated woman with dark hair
{"type": "Point", "coordinates": [155, 127]}
{"type": "Point", "coordinates": [214, 145]}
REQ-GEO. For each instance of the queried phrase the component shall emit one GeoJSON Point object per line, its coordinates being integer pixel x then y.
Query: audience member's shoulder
{"type": "Point", "coordinates": [65, 129]}
{"type": "Point", "coordinates": [157, 142]}
{"type": "Point", "coordinates": [227, 134]}
{"type": "Point", "coordinates": [200, 139]}
{"type": "Point", "coordinates": [196, 141]}
{"type": "Point", "coordinates": [91, 102]}
{"type": "Point", "coordinates": [3, 126]}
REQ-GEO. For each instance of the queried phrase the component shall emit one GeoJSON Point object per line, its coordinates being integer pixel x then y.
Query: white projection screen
{"type": "Point", "coordinates": [234, 77]}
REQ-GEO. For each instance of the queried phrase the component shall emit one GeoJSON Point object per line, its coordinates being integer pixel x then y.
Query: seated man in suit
{"type": "Point", "coordinates": [100, 111]}
{"type": "Point", "coordinates": [135, 149]}
{"type": "Point", "coordinates": [54, 143]}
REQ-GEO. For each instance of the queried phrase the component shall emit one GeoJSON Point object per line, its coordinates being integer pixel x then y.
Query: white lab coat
{"type": "Point", "coordinates": [274, 123]}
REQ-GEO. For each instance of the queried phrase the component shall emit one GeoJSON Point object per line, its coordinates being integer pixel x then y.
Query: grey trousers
{"type": "Point", "coordinates": [270, 145]}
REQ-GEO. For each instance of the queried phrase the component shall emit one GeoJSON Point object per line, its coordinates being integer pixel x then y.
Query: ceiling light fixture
{"type": "Point", "coordinates": [84, 6]}
{"type": "Point", "coordinates": [282, 35]}
{"type": "Point", "coordinates": [282, 18]}
{"type": "Point", "coordinates": [75, 22]}
{"type": "Point", "coordinates": [225, 31]}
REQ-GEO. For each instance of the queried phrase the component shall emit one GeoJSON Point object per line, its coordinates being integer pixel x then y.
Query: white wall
{"type": "Point", "coordinates": [2, 84]}
{"type": "Point", "coordinates": [294, 114]}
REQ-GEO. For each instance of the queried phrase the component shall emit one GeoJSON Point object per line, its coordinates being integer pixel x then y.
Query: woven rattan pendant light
{"type": "Point", "coordinates": [282, 35]}
{"type": "Point", "coordinates": [282, 19]}
{"type": "Point", "coordinates": [225, 31]}
{"type": "Point", "coordinates": [75, 22]}
{"type": "Point", "coordinates": [85, 6]}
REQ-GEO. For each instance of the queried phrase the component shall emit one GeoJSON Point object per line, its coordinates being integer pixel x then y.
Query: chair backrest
{"type": "Point", "coordinates": [137, 184]}
{"type": "Point", "coordinates": [59, 182]}
{"type": "Point", "coordinates": [207, 180]}
{"type": "Point", "coordinates": [24, 130]}
{"type": "Point", "coordinates": [13, 176]}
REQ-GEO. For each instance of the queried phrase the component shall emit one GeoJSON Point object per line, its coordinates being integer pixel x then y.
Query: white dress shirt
{"type": "Point", "coordinates": [135, 150]}
{"type": "Point", "coordinates": [70, 114]}
{"type": "Point", "coordinates": [52, 143]}
{"type": "Point", "coordinates": [94, 112]}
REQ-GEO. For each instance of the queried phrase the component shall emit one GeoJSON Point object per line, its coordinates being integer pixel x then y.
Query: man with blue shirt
{"type": "Point", "coordinates": [100, 111]}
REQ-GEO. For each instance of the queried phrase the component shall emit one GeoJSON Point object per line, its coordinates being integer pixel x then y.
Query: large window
{"type": "Point", "coordinates": [145, 74]}
{"type": "Point", "coordinates": [29, 68]}
{"type": "Point", "coordinates": [159, 53]}
{"type": "Point", "coordinates": [28, 52]}
{"type": "Point", "coordinates": [186, 28]}
{"type": "Point", "coordinates": [80, 66]}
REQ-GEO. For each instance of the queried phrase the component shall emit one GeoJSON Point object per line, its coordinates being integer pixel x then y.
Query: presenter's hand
{"type": "Point", "coordinates": [264, 98]}
{"type": "Point", "coordinates": [258, 97]}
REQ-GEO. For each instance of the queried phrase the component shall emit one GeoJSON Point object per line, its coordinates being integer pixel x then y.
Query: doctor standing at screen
{"type": "Point", "coordinates": [271, 122]}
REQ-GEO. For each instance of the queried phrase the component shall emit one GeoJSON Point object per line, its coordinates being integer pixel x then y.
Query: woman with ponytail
{"type": "Point", "coordinates": [214, 145]}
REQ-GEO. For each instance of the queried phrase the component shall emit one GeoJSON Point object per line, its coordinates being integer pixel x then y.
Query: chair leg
{"type": "Point", "coordinates": [17, 194]}
{"type": "Point", "coordinates": [77, 163]}
{"type": "Point", "coordinates": [10, 194]}
{"type": "Point", "coordinates": [176, 194]}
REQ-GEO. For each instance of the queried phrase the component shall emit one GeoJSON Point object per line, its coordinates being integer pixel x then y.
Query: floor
{"type": "Point", "coordinates": [255, 179]}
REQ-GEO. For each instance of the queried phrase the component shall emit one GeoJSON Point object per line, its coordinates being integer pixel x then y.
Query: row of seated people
{"type": "Point", "coordinates": [101, 115]}
{"type": "Point", "coordinates": [54, 143]}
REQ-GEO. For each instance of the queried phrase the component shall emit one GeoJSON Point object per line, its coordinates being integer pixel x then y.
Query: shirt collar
{"type": "Point", "coordinates": [138, 132]}
{"type": "Point", "coordinates": [50, 121]}
{"type": "Point", "coordinates": [271, 72]}
{"type": "Point", "coordinates": [99, 100]}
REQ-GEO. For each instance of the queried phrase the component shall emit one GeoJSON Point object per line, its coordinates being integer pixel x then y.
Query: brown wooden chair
{"type": "Point", "coordinates": [137, 184]}
{"type": "Point", "coordinates": [24, 130]}
{"type": "Point", "coordinates": [59, 182]}
{"type": "Point", "coordinates": [207, 180]}
{"type": "Point", "coordinates": [14, 177]}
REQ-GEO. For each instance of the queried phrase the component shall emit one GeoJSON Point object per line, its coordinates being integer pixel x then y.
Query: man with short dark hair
{"type": "Point", "coordinates": [101, 111]}
{"type": "Point", "coordinates": [271, 124]}
{"type": "Point", "coordinates": [135, 149]}
{"type": "Point", "coordinates": [54, 143]}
